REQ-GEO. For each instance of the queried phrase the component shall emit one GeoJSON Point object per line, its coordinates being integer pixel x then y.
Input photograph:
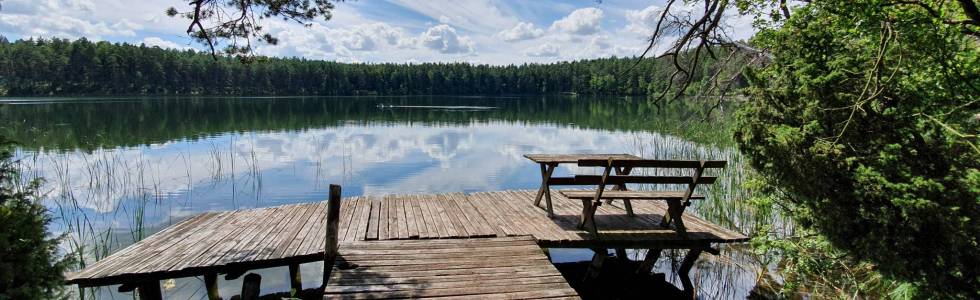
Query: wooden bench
{"type": "Point", "coordinates": [676, 200]}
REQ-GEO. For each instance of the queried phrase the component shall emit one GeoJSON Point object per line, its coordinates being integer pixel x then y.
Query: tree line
{"type": "Point", "coordinates": [36, 67]}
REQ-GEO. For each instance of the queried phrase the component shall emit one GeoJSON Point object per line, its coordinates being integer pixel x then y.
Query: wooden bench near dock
{"type": "Point", "coordinates": [473, 245]}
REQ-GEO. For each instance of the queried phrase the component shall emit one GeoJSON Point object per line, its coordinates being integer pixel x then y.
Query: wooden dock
{"type": "Point", "coordinates": [234, 242]}
{"type": "Point", "coordinates": [478, 268]}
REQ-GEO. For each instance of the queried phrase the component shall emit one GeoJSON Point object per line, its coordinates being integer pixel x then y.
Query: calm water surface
{"type": "Point", "coordinates": [118, 169]}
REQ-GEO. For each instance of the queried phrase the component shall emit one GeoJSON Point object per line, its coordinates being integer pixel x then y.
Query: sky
{"type": "Point", "coordinates": [375, 31]}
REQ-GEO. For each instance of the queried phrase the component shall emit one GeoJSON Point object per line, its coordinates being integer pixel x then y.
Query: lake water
{"type": "Point", "coordinates": [118, 169]}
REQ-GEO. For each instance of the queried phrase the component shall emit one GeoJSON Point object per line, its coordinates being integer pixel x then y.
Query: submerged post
{"type": "Point", "coordinates": [295, 278]}
{"type": "Point", "coordinates": [211, 284]}
{"type": "Point", "coordinates": [333, 224]}
{"type": "Point", "coordinates": [250, 286]}
{"type": "Point", "coordinates": [150, 290]}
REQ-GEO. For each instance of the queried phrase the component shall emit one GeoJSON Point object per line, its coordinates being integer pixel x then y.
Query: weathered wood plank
{"type": "Point", "coordinates": [437, 268]}
{"type": "Point", "coordinates": [383, 219]}
{"type": "Point", "coordinates": [372, 228]}
{"type": "Point", "coordinates": [446, 229]}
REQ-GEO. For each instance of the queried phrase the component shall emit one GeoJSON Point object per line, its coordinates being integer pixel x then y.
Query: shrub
{"type": "Point", "coordinates": [30, 267]}
{"type": "Point", "coordinates": [867, 118]}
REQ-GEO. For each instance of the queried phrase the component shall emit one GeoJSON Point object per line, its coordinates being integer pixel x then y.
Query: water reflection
{"type": "Point", "coordinates": [119, 169]}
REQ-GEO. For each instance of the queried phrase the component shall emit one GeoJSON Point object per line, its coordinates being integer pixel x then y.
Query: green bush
{"type": "Point", "coordinates": [867, 118]}
{"type": "Point", "coordinates": [30, 267]}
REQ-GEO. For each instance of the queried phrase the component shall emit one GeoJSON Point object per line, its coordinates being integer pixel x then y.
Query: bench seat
{"type": "Point", "coordinates": [630, 195]}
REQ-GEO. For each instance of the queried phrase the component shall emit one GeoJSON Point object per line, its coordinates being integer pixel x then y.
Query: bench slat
{"type": "Point", "coordinates": [650, 163]}
{"type": "Point", "coordinates": [624, 179]}
{"type": "Point", "coordinates": [631, 195]}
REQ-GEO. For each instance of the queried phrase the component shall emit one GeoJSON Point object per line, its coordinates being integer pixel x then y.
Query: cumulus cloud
{"type": "Point", "coordinates": [162, 43]}
{"type": "Point", "coordinates": [40, 19]}
{"type": "Point", "coordinates": [370, 37]}
{"type": "Point", "coordinates": [335, 43]}
{"type": "Point", "coordinates": [313, 42]}
{"type": "Point", "coordinates": [581, 22]}
{"type": "Point", "coordinates": [544, 50]}
{"type": "Point", "coordinates": [446, 40]}
{"type": "Point", "coordinates": [60, 26]}
{"type": "Point", "coordinates": [643, 21]}
{"type": "Point", "coordinates": [521, 31]}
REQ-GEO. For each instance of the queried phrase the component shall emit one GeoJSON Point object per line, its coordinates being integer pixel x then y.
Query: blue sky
{"type": "Point", "coordinates": [477, 31]}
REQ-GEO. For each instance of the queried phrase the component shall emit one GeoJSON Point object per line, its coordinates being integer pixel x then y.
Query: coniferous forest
{"type": "Point", "coordinates": [62, 67]}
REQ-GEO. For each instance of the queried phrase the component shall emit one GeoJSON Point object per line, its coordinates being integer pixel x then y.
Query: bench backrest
{"type": "Point", "coordinates": [626, 165]}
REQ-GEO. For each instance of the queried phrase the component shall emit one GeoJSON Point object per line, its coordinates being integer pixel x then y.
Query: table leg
{"type": "Point", "coordinates": [674, 211]}
{"type": "Point", "coordinates": [593, 207]}
{"type": "Point", "coordinates": [544, 185]}
{"type": "Point", "coordinates": [545, 190]}
{"type": "Point", "coordinates": [622, 187]}
{"type": "Point", "coordinates": [586, 207]}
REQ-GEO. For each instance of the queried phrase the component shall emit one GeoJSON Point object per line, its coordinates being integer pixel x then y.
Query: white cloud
{"type": "Point", "coordinates": [582, 21]}
{"type": "Point", "coordinates": [370, 37]}
{"type": "Point", "coordinates": [312, 42]}
{"type": "Point", "coordinates": [545, 50]}
{"type": "Point", "coordinates": [443, 38]}
{"type": "Point", "coordinates": [471, 16]}
{"type": "Point", "coordinates": [521, 31]}
{"type": "Point", "coordinates": [342, 43]}
{"type": "Point", "coordinates": [57, 26]}
{"type": "Point", "coordinates": [61, 18]}
{"type": "Point", "coordinates": [158, 42]}
{"type": "Point", "coordinates": [643, 21]}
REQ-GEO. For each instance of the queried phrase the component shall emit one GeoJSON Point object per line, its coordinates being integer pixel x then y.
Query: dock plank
{"type": "Point", "coordinates": [372, 228]}
{"type": "Point", "coordinates": [511, 271]}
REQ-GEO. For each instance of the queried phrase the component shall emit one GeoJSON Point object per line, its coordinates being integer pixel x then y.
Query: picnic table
{"type": "Point", "coordinates": [549, 162]}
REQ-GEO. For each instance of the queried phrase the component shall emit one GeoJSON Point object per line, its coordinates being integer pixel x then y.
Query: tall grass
{"type": "Point", "coordinates": [107, 199]}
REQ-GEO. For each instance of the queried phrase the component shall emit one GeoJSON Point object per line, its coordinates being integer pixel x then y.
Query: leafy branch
{"type": "Point", "coordinates": [234, 23]}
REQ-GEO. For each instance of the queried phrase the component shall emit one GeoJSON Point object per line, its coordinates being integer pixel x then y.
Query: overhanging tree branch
{"type": "Point", "coordinates": [210, 22]}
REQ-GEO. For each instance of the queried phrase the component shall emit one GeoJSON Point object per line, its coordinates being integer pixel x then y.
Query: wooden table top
{"type": "Point", "coordinates": [573, 158]}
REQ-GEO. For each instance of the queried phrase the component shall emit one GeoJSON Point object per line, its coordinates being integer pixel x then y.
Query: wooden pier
{"type": "Point", "coordinates": [503, 268]}
{"type": "Point", "coordinates": [391, 239]}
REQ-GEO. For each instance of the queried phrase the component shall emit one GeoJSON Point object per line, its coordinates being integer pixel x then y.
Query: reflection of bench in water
{"type": "Point", "coordinates": [234, 242]}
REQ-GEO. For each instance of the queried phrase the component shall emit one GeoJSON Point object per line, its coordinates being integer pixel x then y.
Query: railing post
{"type": "Point", "coordinates": [333, 224]}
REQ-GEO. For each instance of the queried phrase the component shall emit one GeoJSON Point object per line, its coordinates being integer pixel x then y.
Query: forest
{"type": "Point", "coordinates": [47, 67]}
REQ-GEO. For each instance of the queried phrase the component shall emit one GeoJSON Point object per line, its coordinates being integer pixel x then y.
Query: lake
{"type": "Point", "coordinates": [118, 169]}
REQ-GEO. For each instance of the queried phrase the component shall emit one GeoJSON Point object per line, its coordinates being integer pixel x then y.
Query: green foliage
{"type": "Point", "coordinates": [811, 266]}
{"type": "Point", "coordinates": [29, 263]}
{"type": "Point", "coordinates": [81, 67]}
{"type": "Point", "coordinates": [867, 117]}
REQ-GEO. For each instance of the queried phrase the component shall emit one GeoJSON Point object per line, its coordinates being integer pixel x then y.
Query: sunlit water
{"type": "Point", "coordinates": [117, 170]}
